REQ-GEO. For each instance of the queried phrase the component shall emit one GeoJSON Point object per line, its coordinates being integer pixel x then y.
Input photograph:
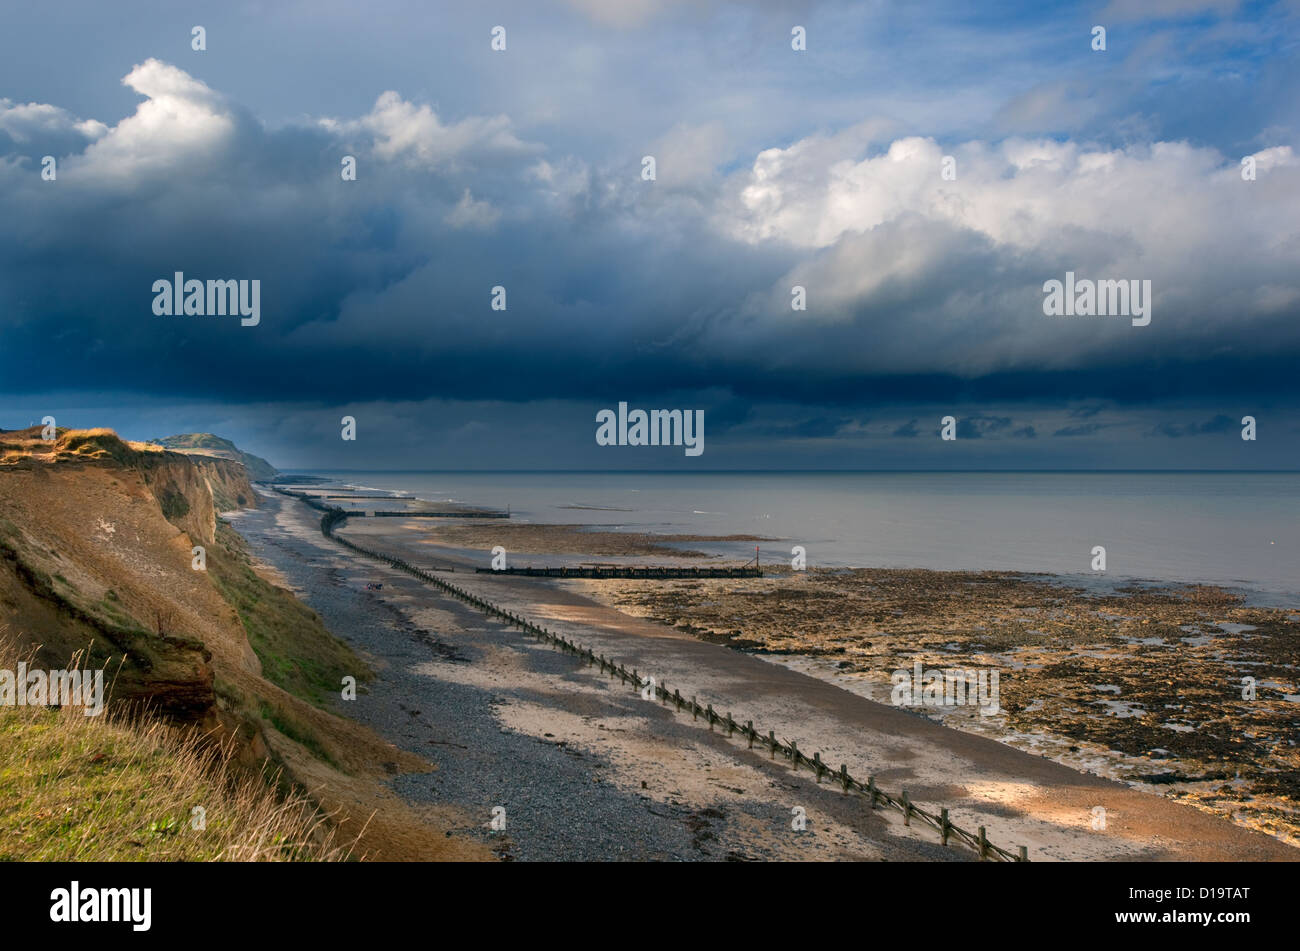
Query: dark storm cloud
{"type": "Point", "coordinates": [1083, 429]}
{"type": "Point", "coordinates": [1219, 424]}
{"type": "Point", "coordinates": [525, 173]}
{"type": "Point", "coordinates": [979, 425]}
{"type": "Point", "coordinates": [817, 427]}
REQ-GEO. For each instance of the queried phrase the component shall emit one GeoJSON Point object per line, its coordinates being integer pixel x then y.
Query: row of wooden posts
{"type": "Point", "coordinates": [876, 796]}
{"type": "Point", "coordinates": [650, 572]}
{"type": "Point", "coordinates": [318, 502]}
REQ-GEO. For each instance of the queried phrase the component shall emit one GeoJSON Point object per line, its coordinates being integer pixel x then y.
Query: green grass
{"type": "Point", "coordinates": [297, 651]}
{"type": "Point", "coordinates": [296, 731]}
{"type": "Point", "coordinates": [80, 788]}
{"type": "Point", "coordinates": [112, 609]}
{"type": "Point", "coordinates": [99, 443]}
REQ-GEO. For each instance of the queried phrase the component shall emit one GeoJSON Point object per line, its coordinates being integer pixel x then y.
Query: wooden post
{"type": "Point", "coordinates": [844, 776]}
{"type": "Point", "coordinates": [907, 809]}
{"type": "Point", "coordinates": [749, 731]}
{"type": "Point", "coordinates": [794, 754]}
{"type": "Point", "coordinates": [871, 790]}
{"type": "Point", "coordinates": [984, 844]}
{"type": "Point", "coordinates": [731, 725]}
{"type": "Point", "coordinates": [943, 825]}
{"type": "Point", "coordinates": [771, 739]}
{"type": "Point", "coordinates": [695, 709]}
{"type": "Point", "coordinates": [1024, 853]}
{"type": "Point", "coordinates": [677, 698]}
{"type": "Point", "coordinates": [817, 766]}
{"type": "Point", "coordinates": [710, 712]}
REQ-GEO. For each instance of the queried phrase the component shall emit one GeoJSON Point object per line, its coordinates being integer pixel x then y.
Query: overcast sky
{"type": "Point", "coordinates": [522, 168]}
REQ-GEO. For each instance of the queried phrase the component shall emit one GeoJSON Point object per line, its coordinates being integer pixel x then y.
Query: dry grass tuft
{"type": "Point", "coordinates": [122, 787]}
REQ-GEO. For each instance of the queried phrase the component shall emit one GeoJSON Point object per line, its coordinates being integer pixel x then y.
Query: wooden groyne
{"type": "Point", "coordinates": [318, 502]}
{"type": "Point", "coordinates": [312, 500]}
{"type": "Point", "coordinates": [869, 792]}
{"type": "Point", "coordinates": [389, 498]}
{"type": "Point", "coordinates": [626, 571]}
{"type": "Point", "coordinates": [432, 514]}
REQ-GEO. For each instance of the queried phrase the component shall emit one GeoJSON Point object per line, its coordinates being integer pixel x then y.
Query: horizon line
{"type": "Point", "coordinates": [802, 471]}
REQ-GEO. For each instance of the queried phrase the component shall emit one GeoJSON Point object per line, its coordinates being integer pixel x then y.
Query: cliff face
{"type": "Point", "coordinates": [206, 444]}
{"type": "Point", "coordinates": [228, 482]}
{"type": "Point", "coordinates": [96, 539]}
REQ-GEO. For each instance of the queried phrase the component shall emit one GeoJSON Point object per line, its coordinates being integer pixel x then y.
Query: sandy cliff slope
{"type": "Point", "coordinates": [97, 554]}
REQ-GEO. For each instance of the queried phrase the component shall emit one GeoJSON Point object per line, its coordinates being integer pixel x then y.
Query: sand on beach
{"type": "Point", "coordinates": [1140, 682]}
{"type": "Point", "coordinates": [1022, 798]}
{"type": "Point", "coordinates": [1144, 684]}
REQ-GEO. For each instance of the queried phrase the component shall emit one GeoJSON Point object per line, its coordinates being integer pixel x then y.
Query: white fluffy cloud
{"type": "Point", "coordinates": [401, 130]}
{"type": "Point", "coordinates": [181, 122]}
{"type": "Point", "coordinates": [886, 231]}
{"type": "Point", "coordinates": [183, 126]}
{"type": "Point", "coordinates": [905, 272]}
{"type": "Point", "coordinates": [1023, 193]}
{"type": "Point", "coordinates": [24, 122]}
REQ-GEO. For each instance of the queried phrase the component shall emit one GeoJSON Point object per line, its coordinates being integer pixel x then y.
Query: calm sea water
{"type": "Point", "coordinates": [1241, 529]}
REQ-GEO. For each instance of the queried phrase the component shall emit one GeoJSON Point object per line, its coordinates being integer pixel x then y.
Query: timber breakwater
{"type": "Point", "coordinates": [869, 791]}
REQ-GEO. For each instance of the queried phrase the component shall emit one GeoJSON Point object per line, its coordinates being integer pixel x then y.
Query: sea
{"type": "Point", "coordinates": [1240, 530]}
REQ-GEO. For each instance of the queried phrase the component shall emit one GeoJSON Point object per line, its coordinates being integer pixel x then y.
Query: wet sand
{"type": "Point", "coordinates": [582, 767]}
{"type": "Point", "coordinates": [1138, 681]}
{"type": "Point", "coordinates": [1142, 683]}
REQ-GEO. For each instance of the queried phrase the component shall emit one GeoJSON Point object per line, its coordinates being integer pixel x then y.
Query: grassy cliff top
{"type": "Point", "coordinates": [17, 445]}
{"type": "Point", "coordinates": [113, 789]}
{"type": "Point", "coordinates": [102, 444]}
{"type": "Point", "coordinates": [259, 470]}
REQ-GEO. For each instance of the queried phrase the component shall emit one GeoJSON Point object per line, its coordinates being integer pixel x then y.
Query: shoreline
{"type": "Point", "coordinates": [583, 769]}
{"type": "Point", "coordinates": [1108, 718]}
{"type": "Point", "coordinates": [932, 527]}
{"type": "Point", "coordinates": [1075, 669]}
{"type": "Point", "coordinates": [1035, 814]}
